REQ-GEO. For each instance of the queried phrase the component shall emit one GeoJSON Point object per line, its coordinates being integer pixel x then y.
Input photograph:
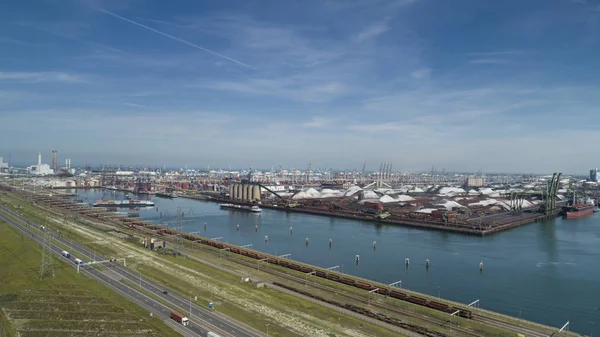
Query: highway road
{"type": "Point", "coordinates": [201, 319]}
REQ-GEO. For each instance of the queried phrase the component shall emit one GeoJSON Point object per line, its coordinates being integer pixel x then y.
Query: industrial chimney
{"type": "Point", "coordinates": [54, 152]}
{"type": "Point", "coordinates": [39, 158]}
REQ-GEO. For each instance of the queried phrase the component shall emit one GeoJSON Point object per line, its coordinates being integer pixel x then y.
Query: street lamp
{"type": "Point", "coordinates": [268, 330]}
{"type": "Point", "coordinates": [438, 291]}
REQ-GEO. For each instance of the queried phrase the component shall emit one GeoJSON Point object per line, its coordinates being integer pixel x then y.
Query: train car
{"type": "Point", "coordinates": [347, 280]}
{"type": "Point", "coordinates": [320, 273]}
{"type": "Point", "coordinates": [284, 263]}
{"type": "Point", "coordinates": [465, 314]}
{"type": "Point", "coordinates": [417, 300]}
{"type": "Point", "coordinates": [252, 255]}
{"type": "Point", "coordinates": [244, 252]}
{"type": "Point", "coordinates": [439, 306]}
{"type": "Point", "coordinates": [398, 295]}
{"type": "Point", "coordinates": [383, 291]}
{"type": "Point", "coordinates": [273, 261]}
{"type": "Point", "coordinates": [294, 266]}
{"type": "Point", "coordinates": [306, 269]}
{"type": "Point", "coordinates": [235, 250]}
{"type": "Point", "coordinates": [363, 285]}
{"type": "Point", "coordinates": [333, 277]}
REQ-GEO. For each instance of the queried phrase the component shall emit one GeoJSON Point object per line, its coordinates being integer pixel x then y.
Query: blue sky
{"type": "Point", "coordinates": [463, 84]}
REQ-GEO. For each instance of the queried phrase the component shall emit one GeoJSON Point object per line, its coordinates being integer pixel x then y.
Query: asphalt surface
{"type": "Point", "coordinates": [201, 319]}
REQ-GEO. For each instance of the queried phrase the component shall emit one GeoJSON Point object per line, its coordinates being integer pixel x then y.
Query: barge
{"type": "Point", "coordinates": [243, 208]}
{"type": "Point", "coordinates": [123, 203]}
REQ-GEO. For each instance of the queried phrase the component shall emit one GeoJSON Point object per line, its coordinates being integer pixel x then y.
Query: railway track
{"type": "Point", "coordinates": [490, 321]}
{"type": "Point", "coordinates": [402, 312]}
{"type": "Point", "coordinates": [507, 326]}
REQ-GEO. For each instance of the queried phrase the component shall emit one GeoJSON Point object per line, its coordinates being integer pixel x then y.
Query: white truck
{"type": "Point", "coordinates": [212, 334]}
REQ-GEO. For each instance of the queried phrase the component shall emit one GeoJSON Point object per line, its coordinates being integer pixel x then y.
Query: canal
{"type": "Point", "coordinates": [547, 272]}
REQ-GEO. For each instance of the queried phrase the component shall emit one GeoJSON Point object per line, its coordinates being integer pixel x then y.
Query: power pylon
{"type": "Point", "coordinates": [46, 266]}
{"type": "Point", "coordinates": [179, 222]}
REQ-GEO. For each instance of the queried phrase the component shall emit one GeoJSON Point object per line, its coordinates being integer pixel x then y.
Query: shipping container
{"type": "Point", "coordinates": [179, 318]}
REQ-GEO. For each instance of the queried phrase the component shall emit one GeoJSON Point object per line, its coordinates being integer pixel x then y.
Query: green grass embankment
{"type": "Point", "coordinates": [68, 304]}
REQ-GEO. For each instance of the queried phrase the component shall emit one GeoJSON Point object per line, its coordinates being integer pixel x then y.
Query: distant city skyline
{"type": "Point", "coordinates": [509, 86]}
{"type": "Point", "coordinates": [369, 167]}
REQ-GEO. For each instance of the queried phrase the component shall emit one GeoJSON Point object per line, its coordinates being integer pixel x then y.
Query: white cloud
{"type": "Point", "coordinates": [134, 105]}
{"type": "Point", "coordinates": [299, 88]}
{"type": "Point", "coordinates": [40, 77]}
{"type": "Point", "coordinates": [422, 73]}
{"type": "Point", "coordinates": [490, 61]}
{"type": "Point", "coordinates": [317, 122]}
{"type": "Point", "coordinates": [373, 30]}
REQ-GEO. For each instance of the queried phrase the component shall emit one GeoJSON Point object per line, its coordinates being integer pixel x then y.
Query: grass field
{"type": "Point", "coordinates": [69, 304]}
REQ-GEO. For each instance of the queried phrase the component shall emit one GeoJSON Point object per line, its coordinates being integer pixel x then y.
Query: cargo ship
{"type": "Point", "coordinates": [253, 209]}
{"type": "Point", "coordinates": [578, 211]}
{"type": "Point", "coordinates": [123, 203]}
{"type": "Point", "coordinates": [165, 195]}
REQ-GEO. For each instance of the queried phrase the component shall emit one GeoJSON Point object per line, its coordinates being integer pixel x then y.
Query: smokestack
{"type": "Point", "coordinates": [54, 152]}
{"type": "Point", "coordinates": [39, 158]}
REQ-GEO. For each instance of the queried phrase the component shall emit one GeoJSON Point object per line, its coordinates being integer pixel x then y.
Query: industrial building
{"type": "Point", "coordinates": [475, 182]}
{"type": "Point", "coordinates": [40, 169]}
{"type": "Point", "coordinates": [594, 175]}
{"type": "Point", "coordinates": [3, 165]}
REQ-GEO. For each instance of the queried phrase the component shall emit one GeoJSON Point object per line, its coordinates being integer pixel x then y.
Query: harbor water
{"type": "Point", "coordinates": [548, 272]}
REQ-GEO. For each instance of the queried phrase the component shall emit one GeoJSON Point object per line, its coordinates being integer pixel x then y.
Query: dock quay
{"type": "Point", "coordinates": [477, 226]}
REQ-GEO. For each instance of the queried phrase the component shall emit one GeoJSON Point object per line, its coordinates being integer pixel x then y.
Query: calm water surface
{"type": "Point", "coordinates": [547, 272]}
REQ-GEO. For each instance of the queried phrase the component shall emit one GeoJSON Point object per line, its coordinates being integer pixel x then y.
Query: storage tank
{"type": "Point", "coordinates": [243, 194]}
{"type": "Point", "coordinates": [256, 192]}
{"type": "Point", "coordinates": [231, 192]}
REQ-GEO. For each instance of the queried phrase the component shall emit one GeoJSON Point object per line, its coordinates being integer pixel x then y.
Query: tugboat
{"type": "Point", "coordinates": [165, 195]}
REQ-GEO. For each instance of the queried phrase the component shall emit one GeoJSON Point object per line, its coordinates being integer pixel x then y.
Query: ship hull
{"type": "Point", "coordinates": [580, 213]}
{"type": "Point", "coordinates": [240, 208]}
{"type": "Point", "coordinates": [164, 195]}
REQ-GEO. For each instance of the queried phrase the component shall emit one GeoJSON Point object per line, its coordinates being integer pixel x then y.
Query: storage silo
{"type": "Point", "coordinates": [238, 193]}
{"type": "Point", "coordinates": [248, 189]}
{"type": "Point", "coordinates": [231, 192]}
{"type": "Point", "coordinates": [256, 192]}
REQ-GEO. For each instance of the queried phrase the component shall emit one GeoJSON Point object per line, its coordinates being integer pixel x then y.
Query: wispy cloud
{"type": "Point", "coordinates": [317, 122]}
{"type": "Point", "coordinates": [70, 31]}
{"type": "Point", "coordinates": [296, 88]}
{"type": "Point", "coordinates": [490, 61]}
{"type": "Point", "coordinates": [373, 30]}
{"type": "Point", "coordinates": [513, 52]}
{"type": "Point", "coordinates": [174, 38]}
{"type": "Point", "coordinates": [40, 77]}
{"type": "Point", "coordinates": [7, 40]}
{"type": "Point", "coordinates": [421, 73]}
{"type": "Point", "coordinates": [134, 105]}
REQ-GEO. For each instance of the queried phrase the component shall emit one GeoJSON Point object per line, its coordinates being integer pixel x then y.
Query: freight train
{"type": "Point", "coordinates": [333, 276]}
